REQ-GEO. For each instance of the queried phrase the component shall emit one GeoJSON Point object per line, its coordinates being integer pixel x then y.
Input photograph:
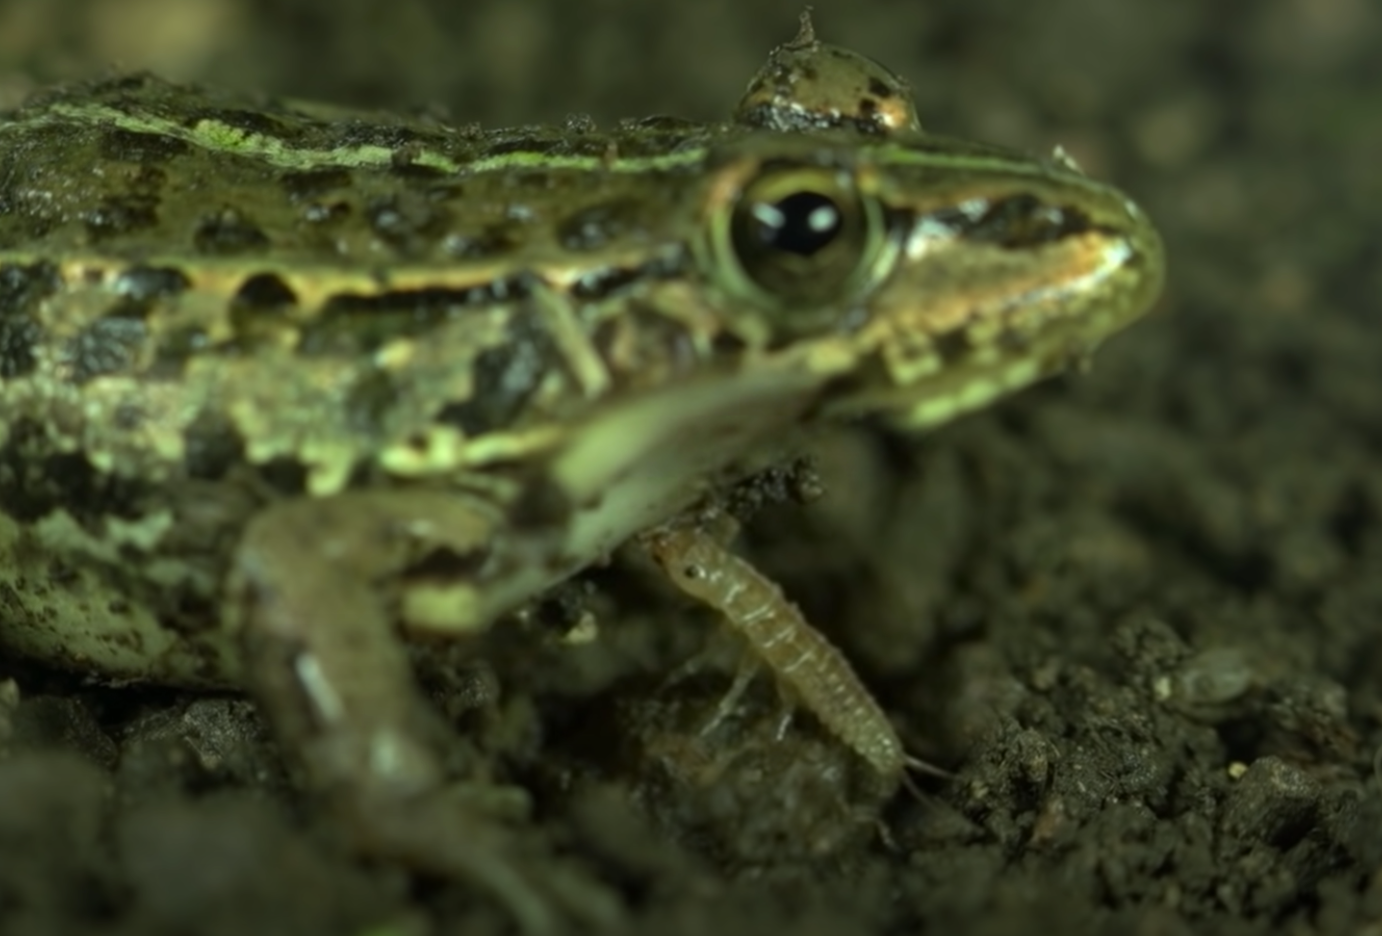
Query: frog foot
{"type": "Point", "coordinates": [314, 598]}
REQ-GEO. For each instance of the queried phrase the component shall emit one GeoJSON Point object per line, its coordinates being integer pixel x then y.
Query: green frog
{"type": "Point", "coordinates": [284, 385]}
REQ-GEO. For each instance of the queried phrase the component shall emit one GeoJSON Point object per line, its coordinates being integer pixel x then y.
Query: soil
{"type": "Point", "coordinates": [1135, 615]}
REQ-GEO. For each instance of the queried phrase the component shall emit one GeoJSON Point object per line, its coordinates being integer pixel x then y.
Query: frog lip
{"type": "Point", "coordinates": [937, 345]}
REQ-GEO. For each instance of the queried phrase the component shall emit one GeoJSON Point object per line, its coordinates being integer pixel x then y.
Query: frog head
{"type": "Point", "coordinates": [929, 276]}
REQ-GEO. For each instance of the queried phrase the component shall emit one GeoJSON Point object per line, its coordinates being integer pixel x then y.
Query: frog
{"type": "Point", "coordinates": [288, 386]}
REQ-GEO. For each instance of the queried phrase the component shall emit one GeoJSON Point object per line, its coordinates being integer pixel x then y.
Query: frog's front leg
{"type": "Point", "coordinates": [315, 595]}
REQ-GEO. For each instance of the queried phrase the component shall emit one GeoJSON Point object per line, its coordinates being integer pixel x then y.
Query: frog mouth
{"type": "Point", "coordinates": [1009, 320]}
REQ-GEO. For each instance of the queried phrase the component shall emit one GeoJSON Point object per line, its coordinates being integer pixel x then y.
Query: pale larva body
{"type": "Point", "coordinates": [806, 665]}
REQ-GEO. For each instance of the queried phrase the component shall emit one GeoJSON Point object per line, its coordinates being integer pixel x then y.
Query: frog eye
{"type": "Point", "coordinates": [799, 238]}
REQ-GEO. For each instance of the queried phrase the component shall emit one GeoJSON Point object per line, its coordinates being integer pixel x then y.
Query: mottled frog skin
{"type": "Point", "coordinates": [279, 381]}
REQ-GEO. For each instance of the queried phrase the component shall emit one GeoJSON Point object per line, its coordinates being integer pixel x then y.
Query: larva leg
{"type": "Point", "coordinates": [743, 675]}
{"type": "Point", "coordinates": [784, 724]}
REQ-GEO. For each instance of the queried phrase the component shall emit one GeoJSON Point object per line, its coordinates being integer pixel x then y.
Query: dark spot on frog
{"type": "Point", "coordinates": [143, 284]}
{"type": "Point", "coordinates": [121, 214]}
{"type": "Point", "coordinates": [128, 416]}
{"type": "Point", "coordinates": [310, 189]}
{"type": "Point", "coordinates": [402, 166]}
{"type": "Point", "coordinates": [175, 347]}
{"type": "Point", "coordinates": [22, 288]}
{"type": "Point", "coordinates": [600, 284]}
{"type": "Point", "coordinates": [504, 377]}
{"type": "Point", "coordinates": [228, 232]}
{"type": "Point", "coordinates": [314, 183]}
{"type": "Point", "coordinates": [107, 346]}
{"type": "Point", "coordinates": [728, 345]}
{"type": "Point", "coordinates": [140, 288]}
{"type": "Point", "coordinates": [144, 148]}
{"type": "Point", "coordinates": [326, 212]}
{"type": "Point", "coordinates": [370, 400]}
{"type": "Point", "coordinates": [407, 222]}
{"type": "Point", "coordinates": [495, 240]}
{"type": "Point", "coordinates": [34, 481]}
{"type": "Point", "coordinates": [879, 89]}
{"type": "Point", "coordinates": [256, 310]}
{"type": "Point", "coordinates": [264, 291]}
{"type": "Point", "coordinates": [595, 226]}
{"type": "Point", "coordinates": [211, 446]}
{"type": "Point", "coordinates": [952, 345]}
{"type": "Point", "coordinates": [351, 324]}
{"type": "Point", "coordinates": [607, 281]}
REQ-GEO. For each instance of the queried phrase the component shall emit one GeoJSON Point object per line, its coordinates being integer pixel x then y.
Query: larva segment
{"type": "Point", "coordinates": [806, 665]}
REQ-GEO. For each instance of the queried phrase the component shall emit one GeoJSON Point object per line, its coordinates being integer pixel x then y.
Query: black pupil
{"type": "Point", "coordinates": [802, 223]}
